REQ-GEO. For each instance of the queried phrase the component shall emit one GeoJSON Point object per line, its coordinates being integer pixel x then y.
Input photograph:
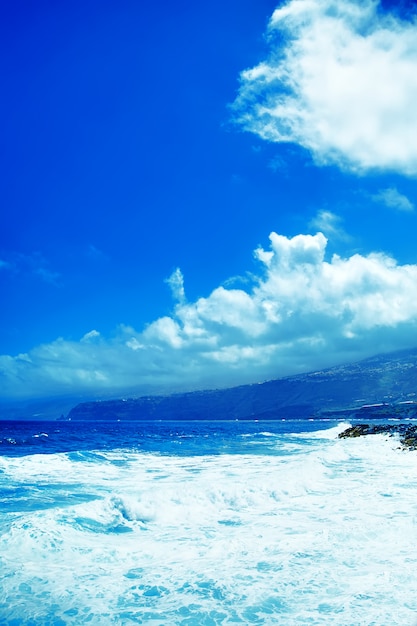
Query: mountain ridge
{"type": "Point", "coordinates": [374, 386]}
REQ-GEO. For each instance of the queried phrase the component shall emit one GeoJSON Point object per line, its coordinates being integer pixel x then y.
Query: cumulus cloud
{"type": "Point", "coordinates": [340, 81]}
{"type": "Point", "coordinates": [303, 311]}
{"type": "Point", "coordinates": [393, 199]}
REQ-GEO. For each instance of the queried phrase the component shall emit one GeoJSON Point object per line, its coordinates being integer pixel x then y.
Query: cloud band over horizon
{"type": "Point", "coordinates": [301, 313]}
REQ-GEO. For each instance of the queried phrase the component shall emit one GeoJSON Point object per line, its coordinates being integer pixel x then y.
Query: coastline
{"type": "Point", "coordinates": [407, 432]}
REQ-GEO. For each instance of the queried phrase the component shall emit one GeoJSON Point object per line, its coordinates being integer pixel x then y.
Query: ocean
{"type": "Point", "coordinates": [205, 524]}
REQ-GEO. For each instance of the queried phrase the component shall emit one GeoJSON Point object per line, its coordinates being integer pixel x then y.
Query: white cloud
{"type": "Point", "coordinates": [302, 312]}
{"type": "Point", "coordinates": [330, 224]}
{"type": "Point", "coordinates": [341, 81]}
{"type": "Point", "coordinates": [393, 199]}
{"type": "Point", "coordinates": [92, 335]}
{"type": "Point", "coordinates": [176, 284]}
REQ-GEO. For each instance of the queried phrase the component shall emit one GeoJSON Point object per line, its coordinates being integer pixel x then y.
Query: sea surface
{"type": "Point", "coordinates": [205, 523]}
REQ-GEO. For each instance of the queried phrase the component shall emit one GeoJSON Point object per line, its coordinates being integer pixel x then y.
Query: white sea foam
{"type": "Point", "coordinates": [325, 433]}
{"type": "Point", "coordinates": [325, 537]}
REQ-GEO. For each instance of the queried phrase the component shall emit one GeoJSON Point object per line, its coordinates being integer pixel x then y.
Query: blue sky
{"type": "Point", "coordinates": [204, 195]}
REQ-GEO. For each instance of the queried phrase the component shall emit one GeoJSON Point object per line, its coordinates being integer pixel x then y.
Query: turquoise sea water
{"type": "Point", "coordinates": [205, 523]}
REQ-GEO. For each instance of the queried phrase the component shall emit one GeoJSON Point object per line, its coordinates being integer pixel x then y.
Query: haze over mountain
{"type": "Point", "coordinates": [390, 380]}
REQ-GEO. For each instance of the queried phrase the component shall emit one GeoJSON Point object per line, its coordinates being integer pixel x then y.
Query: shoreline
{"type": "Point", "coordinates": [407, 432]}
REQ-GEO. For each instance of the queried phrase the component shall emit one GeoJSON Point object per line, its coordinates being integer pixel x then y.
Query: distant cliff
{"type": "Point", "coordinates": [387, 381]}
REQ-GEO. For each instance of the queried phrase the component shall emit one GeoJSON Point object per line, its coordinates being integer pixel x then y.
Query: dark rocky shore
{"type": "Point", "coordinates": [407, 432]}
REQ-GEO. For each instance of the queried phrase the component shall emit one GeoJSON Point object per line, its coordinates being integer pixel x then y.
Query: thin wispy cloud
{"type": "Point", "coordinates": [39, 266]}
{"type": "Point", "coordinates": [47, 275]}
{"type": "Point", "coordinates": [34, 264]}
{"type": "Point", "coordinates": [330, 224]}
{"type": "Point", "coordinates": [95, 253]}
{"type": "Point", "coordinates": [5, 265]}
{"type": "Point", "coordinates": [176, 284]}
{"type": "Point", "coordinates": [340, 81]}
{"type": "Point", "coordinates": [393, 199]}
{"type": "Point", "coordinates": [300, 313]}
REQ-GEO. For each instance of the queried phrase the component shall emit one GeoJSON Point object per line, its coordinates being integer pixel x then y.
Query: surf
{"type": "Point", "coordinates": [258, 526]}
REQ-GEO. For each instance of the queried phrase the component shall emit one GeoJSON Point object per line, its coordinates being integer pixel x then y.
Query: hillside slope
{"type": "Point", "coordinates": [389, 379]}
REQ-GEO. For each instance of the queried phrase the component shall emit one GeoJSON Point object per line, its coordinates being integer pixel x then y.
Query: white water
{"type": "Point", "coordinates": [324, 533]}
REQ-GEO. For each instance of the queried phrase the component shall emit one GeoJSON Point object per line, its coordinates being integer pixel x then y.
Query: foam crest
{"type": "Point", "coordinates": [133, 510]}
{"type": "Point", "coordinates": [326, 433]}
